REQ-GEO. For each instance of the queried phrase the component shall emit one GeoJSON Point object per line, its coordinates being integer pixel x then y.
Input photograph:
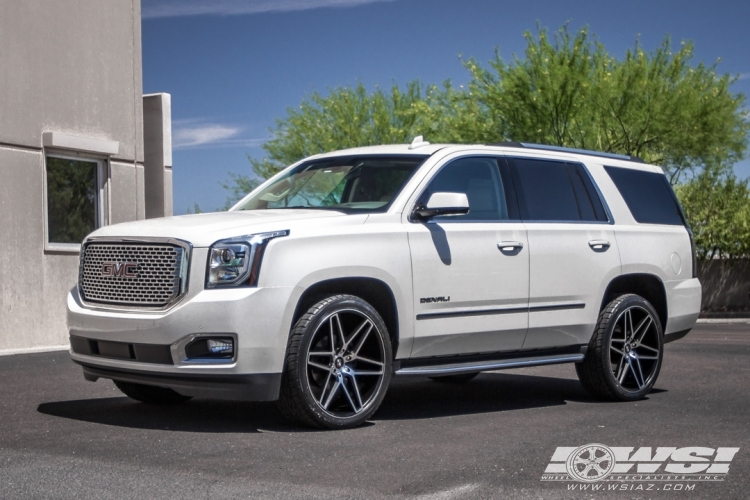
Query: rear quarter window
{"type": "Point", "coordinates": [648, 195]}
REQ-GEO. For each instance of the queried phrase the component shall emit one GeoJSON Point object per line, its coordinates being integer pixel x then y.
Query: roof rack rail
{"type": "Point", "coordinates": [561, 149]}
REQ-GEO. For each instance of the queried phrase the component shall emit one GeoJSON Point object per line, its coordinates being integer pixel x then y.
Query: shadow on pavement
{"type": "Point", "coordinates": [488, 392]}
{"type": "Point", "coordinates": [407, 398]}
{"type": "Point", "coordinates": [198, 415]}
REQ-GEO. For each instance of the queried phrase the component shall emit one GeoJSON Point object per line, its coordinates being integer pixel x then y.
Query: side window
{"type": "Point", "coordinates": [480, 179]}
{"type": "Point", "coordinates": [74, 199]}
{"type": "Point", "coordinates": [648, 195]}
{"type": "Point", "coordinates": [546, 191]}
{"type": "Point", "coordinates": [588, 199]}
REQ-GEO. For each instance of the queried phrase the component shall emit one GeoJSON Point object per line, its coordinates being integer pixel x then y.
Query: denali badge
{"type": "Point", "coordinates": [428, 300]}
{"type": "Point", "coordinates": [124, 269]}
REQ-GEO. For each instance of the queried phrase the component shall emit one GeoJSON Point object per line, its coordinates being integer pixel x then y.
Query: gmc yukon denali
{"type": "Point", "coordinates": [349, 268]}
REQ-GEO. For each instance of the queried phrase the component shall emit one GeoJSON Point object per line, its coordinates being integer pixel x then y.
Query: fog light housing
{"type": "Point", "coordinates": [220, 346]}
{"type": "Point", "coordinates": [210, 348]}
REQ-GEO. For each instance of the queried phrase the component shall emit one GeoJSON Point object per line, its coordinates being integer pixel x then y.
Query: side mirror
{"type": "Point", "coordinates": [442, 204]}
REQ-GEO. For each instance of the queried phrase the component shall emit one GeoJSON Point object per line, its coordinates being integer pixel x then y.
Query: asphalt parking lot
{"type": "Point", "coordinates": [63, 437]}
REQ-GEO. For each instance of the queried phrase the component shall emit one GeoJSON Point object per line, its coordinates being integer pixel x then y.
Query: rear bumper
{"type": "Point", "coordinates": [248, 387]}
{"type": "Point", "coordinates": [683, 307]}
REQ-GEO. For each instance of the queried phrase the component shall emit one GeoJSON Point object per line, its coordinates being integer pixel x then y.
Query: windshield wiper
{"type": "Point", "coordinates": [302, 206]}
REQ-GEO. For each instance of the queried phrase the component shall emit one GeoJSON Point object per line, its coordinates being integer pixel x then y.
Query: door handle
{"type": "Point", "coordinates": [599, 244]}
{"type": "Point", "coordinates": [509, 246]}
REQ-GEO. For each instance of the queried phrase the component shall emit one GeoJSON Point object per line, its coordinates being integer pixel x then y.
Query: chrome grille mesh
{"type": "Point", "coordinates": [154, 281]}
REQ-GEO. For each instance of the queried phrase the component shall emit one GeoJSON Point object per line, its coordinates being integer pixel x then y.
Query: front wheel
{"type": "Point", "coordinates": [338, 364]}
{"type": "Point", "coordinates": [625, 354]}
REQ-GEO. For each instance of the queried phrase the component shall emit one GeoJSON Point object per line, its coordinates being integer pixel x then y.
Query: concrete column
{"type": "Point", "coordinates": [157, 145]}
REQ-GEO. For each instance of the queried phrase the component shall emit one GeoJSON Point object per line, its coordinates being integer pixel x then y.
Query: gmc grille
{"type": "Point", "coordinates": [132, 274]}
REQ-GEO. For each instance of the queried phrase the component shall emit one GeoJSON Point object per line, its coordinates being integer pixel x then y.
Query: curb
{"type": "Point", "coordinates": [712, 321]}
{"type": "Point", "coordinates": [31, 350]}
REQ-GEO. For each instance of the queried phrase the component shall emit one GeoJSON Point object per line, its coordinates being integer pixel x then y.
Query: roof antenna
{"type": "Point", "coordinates": [418, 142]}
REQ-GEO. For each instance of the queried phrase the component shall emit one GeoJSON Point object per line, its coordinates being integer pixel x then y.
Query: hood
{"type": "Point", "coordinates": [202, 230]}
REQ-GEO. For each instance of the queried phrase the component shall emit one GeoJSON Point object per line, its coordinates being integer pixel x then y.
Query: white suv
{"type": "Point", "coordinates": [347, 268]}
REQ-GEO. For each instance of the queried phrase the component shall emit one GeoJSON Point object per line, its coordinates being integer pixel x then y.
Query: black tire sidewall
{"type": "Point", "coordinates": [321, 315]}
{"type": "Point", "coordinates": [625, 303]}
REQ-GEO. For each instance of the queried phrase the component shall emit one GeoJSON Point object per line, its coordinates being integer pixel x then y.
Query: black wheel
{"type": "Point", "coordinates": [461, 378]}
{"type": "Point", "coordinates": [625, 354]}
{"type": "Point", "coordinates": [338, 364]}
{"type": "Point", "coordinates": [150, 394]}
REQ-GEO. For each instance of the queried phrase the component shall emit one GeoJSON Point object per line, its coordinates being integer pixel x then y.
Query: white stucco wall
{"type": "Point", "coordinates": [74, 68]}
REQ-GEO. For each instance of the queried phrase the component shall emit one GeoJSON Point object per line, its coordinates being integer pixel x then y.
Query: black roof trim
{"type": "Point", "coordinates": [561, 149]}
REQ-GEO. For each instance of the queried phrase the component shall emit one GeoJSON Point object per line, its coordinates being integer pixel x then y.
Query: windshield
{"type": "Point", "coordinates": [349, 184]}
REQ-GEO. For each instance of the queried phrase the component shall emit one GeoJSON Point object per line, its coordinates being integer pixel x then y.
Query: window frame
{"type": "Point", "coordinates": [102, 202]}
{"type": "Point", "coordinates": [568, 164]}
{"type": "Point", "coordinates": [508, 186]}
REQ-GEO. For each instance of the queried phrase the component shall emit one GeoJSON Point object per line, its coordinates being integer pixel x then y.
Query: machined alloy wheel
{"type": "Point", "coordinates": [625, 353]}
{"type": "Point", "coordinates": [634, 349]}
{"type": "Point", "coordinates": [338, 364]}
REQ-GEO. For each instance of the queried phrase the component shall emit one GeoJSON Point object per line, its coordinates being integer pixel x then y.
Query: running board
{"type": "Point", "coordinates": [473, 366]}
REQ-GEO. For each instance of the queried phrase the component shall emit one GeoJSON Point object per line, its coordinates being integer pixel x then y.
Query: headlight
{"type": "Point", "coordinates": [236, 262]}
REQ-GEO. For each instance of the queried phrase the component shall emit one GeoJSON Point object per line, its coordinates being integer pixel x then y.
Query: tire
{"type": "Point", "coordinates": [150, 394]}
{"type": "Point", "coordinates": [338, 364]}
{"type": "Point", "coordinates": [625, 354]}
{"type": "Point", "coordinates": [461, 378]}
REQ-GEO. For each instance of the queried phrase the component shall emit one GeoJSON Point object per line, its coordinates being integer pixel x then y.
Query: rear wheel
{"type": "Point", "coordinates": [625, 354]}
{"type": "Point", "coordinates": [461, 378]}
{"type": "Point", "coordinates": [150, 394]}
{"type": "Point", "coordinates": [338, 364]}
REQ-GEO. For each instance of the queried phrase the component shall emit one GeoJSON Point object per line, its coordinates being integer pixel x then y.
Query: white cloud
{"type": "Point", "coordinates": [194, 134]}
{"type": "Point", "coordinates": [200, 135]}
{"type": "Point", "coordinates": [744, 76]}
{"type": "Point", "coordinates": [174, 8]}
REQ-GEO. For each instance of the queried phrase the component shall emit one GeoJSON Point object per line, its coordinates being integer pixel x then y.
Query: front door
{"type": "Point", "coordinates": [470, 272]}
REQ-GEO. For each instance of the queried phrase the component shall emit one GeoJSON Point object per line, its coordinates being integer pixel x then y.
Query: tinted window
{"type": "Point", "coordinates": [577, 171]}
{"type": "Point", "coordinates": [72, 199]}
{"type": "Point", "coordinates": [585, 206]}
{"type": "Point", "coordinates": [648, 195]}
{"type": "Point", "coordinates": [546, 191]}
{"type": "Point", "coordinates": [480, 179]}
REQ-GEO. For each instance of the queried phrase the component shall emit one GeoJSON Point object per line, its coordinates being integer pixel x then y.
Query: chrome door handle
{"type": "Point", "coordinates": [599, 244]}
{"type": "Point", "coordinates": [509, 246]}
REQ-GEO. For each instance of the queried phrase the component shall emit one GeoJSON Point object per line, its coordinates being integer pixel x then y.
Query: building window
{"type": "Point", "coordinates": [74, 200]}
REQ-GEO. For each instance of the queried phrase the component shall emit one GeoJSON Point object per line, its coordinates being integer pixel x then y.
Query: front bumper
{"type": "Point", "coordinates": [258, 318]}
{"type": "Point", "coordinates": [254, 387]}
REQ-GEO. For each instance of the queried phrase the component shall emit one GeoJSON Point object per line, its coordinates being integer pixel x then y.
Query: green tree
{"type": "Point", "coordinates": [569, 91]}
{"type": "Point", "coordinates": [718, 209]}
{"type": "Point", "coordinates": [344, 118]}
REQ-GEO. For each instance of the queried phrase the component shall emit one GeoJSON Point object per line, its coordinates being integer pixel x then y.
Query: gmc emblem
{"type": "Point", "coordinates": [124, 269]}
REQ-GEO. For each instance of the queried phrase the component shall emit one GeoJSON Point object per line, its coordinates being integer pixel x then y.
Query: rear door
{"type": "Point", "coordinates": [470, 272]}
{"type": "Point", "coordinates": [572, 247]}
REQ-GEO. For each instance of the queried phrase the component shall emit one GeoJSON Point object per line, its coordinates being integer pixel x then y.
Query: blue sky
{"type": "Point", "coordinates": [233, 66]}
